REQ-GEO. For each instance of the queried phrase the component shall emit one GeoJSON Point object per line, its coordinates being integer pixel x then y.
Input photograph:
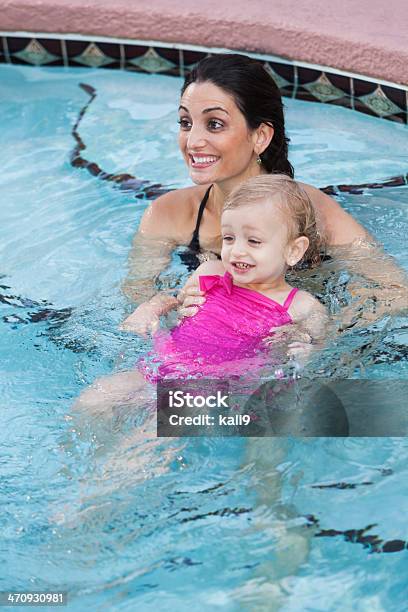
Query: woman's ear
{"type": "Point", "coordinates": [262, 137]}
{"type": "Point", "coordinates": [296, 249]}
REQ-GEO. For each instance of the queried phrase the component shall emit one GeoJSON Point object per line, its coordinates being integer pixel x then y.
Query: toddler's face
{"type": "Point", "coordinates": [254, 246]}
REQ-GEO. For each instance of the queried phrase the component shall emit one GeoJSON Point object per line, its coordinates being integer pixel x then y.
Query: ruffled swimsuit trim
{"type": "Point", "coordinates": [210, 281]}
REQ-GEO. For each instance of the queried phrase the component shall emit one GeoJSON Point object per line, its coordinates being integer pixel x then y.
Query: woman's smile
{"type": "Point", "coordinates": [201, 161]}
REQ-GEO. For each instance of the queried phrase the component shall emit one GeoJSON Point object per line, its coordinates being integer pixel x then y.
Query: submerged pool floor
{"type": "Point", "coordinates": [159, 524]}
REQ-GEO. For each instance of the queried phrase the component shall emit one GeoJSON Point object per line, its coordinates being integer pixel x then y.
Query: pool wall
{"type": "Point", "coordinates": [367, 37]}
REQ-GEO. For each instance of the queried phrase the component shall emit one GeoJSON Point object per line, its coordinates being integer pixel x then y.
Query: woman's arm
{"type": "Point", "coordinates": [146, 317]}
{"type": "Point", "coordinates": [147, 259]}
{"type": "Point", "coordinates": [165, 224]}
{"type": "Point", "coordinates": [381, 286]}
{"type": "Point", "coordinates": [337, 225]}
{"type": "Point", "coordinates": [378, 286]}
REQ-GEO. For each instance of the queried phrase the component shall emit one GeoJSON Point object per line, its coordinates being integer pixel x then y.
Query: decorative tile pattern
{"type": "Point", "coordinates": [191, 58]}
{"type": "Point", "coordinates": [397, 118]}
{"type": "Point", "coordinates": [398, 96]}
{"type": "Point", "coordinates": [281, 82]}
{"type": "Point", "coordinates": [324, 90]}
{"type": "Point", "coordinates": [343, 82]}
{"type": "Point", "coordinates": [345, 102]}
{"type": "Point", "coordinates": [302, 82]}
{"type": "Point", "coordinates": [379, 103]}
{"type": "Point", "coordinates": [284, 75]}
{"type": "Point", "coordinates": [151, 61]}
{"type": "Point", "coordinates": [36, 54]}
{"type": "Point", "coordinates": [2, 50]}
{"type": "Point", "coordinates": [93, 56]}
{"type": "Point", "coordinates": [32, 51]}
{"type": "Point", "coordinates": [362, 87]}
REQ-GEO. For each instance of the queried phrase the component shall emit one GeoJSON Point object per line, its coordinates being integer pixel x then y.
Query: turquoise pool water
{"type": "Point", "coordinates": [166, 524]}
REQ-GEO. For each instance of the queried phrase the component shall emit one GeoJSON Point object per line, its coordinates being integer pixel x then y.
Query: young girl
{"type": "Point", "coordinates": [268, 225]}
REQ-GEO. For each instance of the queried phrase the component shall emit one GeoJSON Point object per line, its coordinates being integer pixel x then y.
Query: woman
{"type": "Point", "coordinates": [231, 128]}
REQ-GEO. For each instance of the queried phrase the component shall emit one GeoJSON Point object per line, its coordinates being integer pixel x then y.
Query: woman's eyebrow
{"type": "Point", "coordinates": [215, 108]}
{"type": "Point", "coordinates": [206, 110]}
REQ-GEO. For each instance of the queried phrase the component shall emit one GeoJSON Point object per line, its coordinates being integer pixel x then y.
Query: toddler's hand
{"type": "Point", "coordinates": [191, 299]}
{"type": "Point", "coordinates": [142, 321]}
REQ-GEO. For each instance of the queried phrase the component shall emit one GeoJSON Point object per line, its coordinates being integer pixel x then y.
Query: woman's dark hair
{"type": "Point", "coordinates": [256, 95]}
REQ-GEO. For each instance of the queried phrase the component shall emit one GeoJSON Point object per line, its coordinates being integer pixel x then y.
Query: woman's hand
{"type": "Point", "coordinates": [300, 351]}
{"type": "Point", "coordinates": [142, 321]}
{"type": "Point", "coordinates": [191, 299]}
{"type": "Point", "coordinates": [372, 304]}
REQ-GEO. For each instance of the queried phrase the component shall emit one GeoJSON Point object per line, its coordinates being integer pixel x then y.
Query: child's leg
{"type": "Point", "coordinates": [122, 389]}
{"type": "Point", "coordinates": [121, 450]}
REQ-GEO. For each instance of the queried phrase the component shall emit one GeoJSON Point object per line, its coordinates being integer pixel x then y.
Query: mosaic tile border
{"type": "Point", "coordinates": [295, 79]}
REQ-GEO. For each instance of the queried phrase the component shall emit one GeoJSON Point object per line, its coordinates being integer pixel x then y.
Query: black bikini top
{"type": "Point", "coordinates": [189, 256]}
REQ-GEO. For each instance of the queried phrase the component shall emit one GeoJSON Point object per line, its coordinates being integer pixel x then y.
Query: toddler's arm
{"type": "Point", "coordinates": [146, 317]}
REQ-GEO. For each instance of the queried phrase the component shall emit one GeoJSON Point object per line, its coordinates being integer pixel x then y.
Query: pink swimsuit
{"type": "Point", "coordinates": [225, 337]}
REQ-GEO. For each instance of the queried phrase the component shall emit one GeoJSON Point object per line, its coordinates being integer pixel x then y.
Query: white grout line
{"type": "Point", "coordinates": [122, 56]}
{"type": "Point", "coordinates": [181, 46]}
{"type": "Point", "coordinates": [295, 81]}
{"type": "Point", "coordinates": [352, 93]}
{"type": "Point", "coordinates": [406, 95]}
{"type": "Point", "coordinates": [181, 62]}
{"type": "Point", "coordinates": [6, 50]}
{"type": "Point", "coordinates": [64, 53]}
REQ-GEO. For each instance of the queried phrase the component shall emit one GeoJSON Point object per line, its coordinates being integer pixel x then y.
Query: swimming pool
{"type": "Point", "coordinates": [183, 525]}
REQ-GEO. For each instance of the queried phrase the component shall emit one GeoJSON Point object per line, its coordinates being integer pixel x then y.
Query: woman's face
{"type": "Point", "coordinates": [214, 137]}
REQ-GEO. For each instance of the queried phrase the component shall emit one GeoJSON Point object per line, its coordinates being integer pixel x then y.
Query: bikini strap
{"type": "Point", "coordinates": [289, 299]}
{"type": "Point", "coordinates": [195, 242]}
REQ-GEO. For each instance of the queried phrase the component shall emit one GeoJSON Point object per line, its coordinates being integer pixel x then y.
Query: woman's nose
{"type": "Point", "coordinates": [196, 138]}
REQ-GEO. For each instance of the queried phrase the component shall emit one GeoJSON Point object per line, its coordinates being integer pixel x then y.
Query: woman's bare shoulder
{"type": "Point", "coordinates": [338, 226]}
{"type": "Point", "coordinates": [173, 214]}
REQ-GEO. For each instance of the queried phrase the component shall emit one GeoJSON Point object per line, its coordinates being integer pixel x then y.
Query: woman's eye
{"type": "Point", "coordinates": [185, 124]}
{"type": "Point", "coordinates": [215, 124]}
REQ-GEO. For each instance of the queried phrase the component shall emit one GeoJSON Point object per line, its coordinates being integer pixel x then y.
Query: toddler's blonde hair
{"type": "Point", "coordinates": [294, 203]}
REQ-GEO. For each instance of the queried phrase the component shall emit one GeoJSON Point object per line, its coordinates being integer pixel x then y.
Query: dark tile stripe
{"type": "Point", "coordinates": [294, 81]}
{"type": "Point", "coordinates": [307, 75]}
{"type": "Point", "coordinates": [341, 82]}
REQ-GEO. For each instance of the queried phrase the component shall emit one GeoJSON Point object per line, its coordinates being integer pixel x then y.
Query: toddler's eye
{"type": "Point", "coordinates": [253, 241]}
{"type": "Point", "coordinates": [184, 123]}
{"type": "Point", "coordinates": [215, 124]}
{"type": "Point", "coordinates": [227, 238]}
